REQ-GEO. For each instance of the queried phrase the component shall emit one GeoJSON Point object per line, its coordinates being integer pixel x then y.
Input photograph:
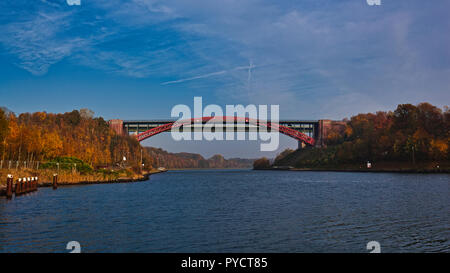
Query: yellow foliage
{"type": "Point", "coordinates": [439, 145]}
{"type": "Point", "coordinates": [348, 131]}
{"type": "Point", "coordinates": [52, 144]}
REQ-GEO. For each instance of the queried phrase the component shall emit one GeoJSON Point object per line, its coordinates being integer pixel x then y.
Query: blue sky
{"type": "Point", "coordinates": [136, 59]}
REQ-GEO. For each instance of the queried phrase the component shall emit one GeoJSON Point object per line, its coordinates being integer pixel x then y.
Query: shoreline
{"type": "Point", "coordinates": [144, 177]}
{"type": "Point", "coordinates": [416, 171]}
{"type": "Point", "coordinates": [193, 169]}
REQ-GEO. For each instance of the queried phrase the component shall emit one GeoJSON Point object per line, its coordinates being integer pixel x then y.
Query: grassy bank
{"type": "Point", "coordinates": [45, 176]}
{"type": "Point", "coordinates": [193, 169]}
{"type": "Point", "coordinates": [325, 160]}
{"type": "Point", "coordinates": [356, 168]}
{"type": "Point", "coordinates": [71, 178]}
{"type": "Point", "coordinates": [381, 167]}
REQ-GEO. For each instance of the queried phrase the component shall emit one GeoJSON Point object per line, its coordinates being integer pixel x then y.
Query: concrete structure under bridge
{"type": "Point", "coordinates": [307, 132]}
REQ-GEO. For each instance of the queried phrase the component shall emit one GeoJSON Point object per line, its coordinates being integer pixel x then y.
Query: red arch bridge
{"type": "Point", "coordinates": [309, 132]}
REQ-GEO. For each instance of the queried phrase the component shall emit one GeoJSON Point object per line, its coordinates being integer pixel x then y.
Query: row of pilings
{"type": "Point", "coordinates": [24, 185]}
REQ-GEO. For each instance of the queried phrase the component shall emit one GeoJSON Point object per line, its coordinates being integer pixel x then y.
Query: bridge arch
{"type": "Point", "coordinates": [227, 119]}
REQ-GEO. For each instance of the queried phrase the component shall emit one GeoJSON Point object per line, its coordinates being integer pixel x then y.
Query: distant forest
{"type": "Point", "coordinates": [410, 133]}
{"type": "Point", "coordinates": [44, 137]}
{"type": "Point", "coordinates": [419, 133]}
{"type": "Point", "coordinates": [189, 160]}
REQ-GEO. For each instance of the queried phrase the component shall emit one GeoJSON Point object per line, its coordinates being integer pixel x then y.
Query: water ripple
{"type": "Point", "coordinates": [236, 211]}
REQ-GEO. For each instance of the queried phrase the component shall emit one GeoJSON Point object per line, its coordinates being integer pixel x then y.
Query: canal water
{"type": "Point", "coordinates": [236, 211]}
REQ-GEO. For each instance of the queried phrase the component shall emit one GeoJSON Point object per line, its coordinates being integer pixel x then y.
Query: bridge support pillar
{"type": "Point", "coordinates": [301, 145]}
{"type": "Point", "coordinates": [324, 127]}
{"type": "Point", "coordinates": [327, 126]}
{"type": "Point", "coordinates": [117, 126]}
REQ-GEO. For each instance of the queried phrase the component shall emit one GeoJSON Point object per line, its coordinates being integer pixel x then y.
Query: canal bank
{"type": "Point", "coordinates": [359, 170]}
{"type": "Point", "coordinates": [370, 167]}
{"type": "Point", "coordinates": [76, 179]}
{"type": "Point", "coordinates": [441, 171]}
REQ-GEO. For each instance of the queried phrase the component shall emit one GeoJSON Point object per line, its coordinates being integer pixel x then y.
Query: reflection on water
{"type": "Point", "coordinates": [236, 211]}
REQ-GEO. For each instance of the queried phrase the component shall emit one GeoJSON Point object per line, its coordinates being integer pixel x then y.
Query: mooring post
{"type": "Point", "coordinates": [23, 186]}
{"type": "Point", "coordinates": [37, 182]}
{"type": "Point", "coordinates": [17, 188]}
{"type": "Point", "coordinates": [28, 184]}
{"type": "Point", "coordinates": [9, 186]}
{"type": "Point", "coordinates": [33, 188]}
{"type": "Point", "coordinates": [55, 181]}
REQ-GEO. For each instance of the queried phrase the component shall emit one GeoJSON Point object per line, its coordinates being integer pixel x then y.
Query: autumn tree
{"type": "Point", "coordinates": [4, 130]}
{"type": "Point", "coordinates": [262, 163]}
{"type": "Point", "coordinates": [419, 133]}
{"type": "Point", "coordinates": [44, 136]}
{"type": "Point", "coordinates": [86, 113]}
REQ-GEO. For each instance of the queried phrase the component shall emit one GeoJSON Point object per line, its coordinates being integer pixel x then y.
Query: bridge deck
{"type": "Point", "coordinates": [316, 129]}
{"type": "Point", "coordinates": [308, 127]}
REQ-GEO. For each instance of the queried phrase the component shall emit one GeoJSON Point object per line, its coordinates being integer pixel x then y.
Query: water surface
{"type": "Point", "coordinates": [236, 211]}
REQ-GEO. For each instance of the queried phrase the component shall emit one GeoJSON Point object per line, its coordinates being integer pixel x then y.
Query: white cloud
{"type": "Point", "coordinates": [36, 42]}
{"type": "Point", "coordinates": [222, 72]}
{"type": "Point", "coordinates": [195, 77]}
{"type": "Point", "coordinates": [307, 53]}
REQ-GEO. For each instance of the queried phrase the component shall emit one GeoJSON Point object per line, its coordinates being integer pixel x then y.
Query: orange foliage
{"type": "Point", "coordinates": [43, 136]}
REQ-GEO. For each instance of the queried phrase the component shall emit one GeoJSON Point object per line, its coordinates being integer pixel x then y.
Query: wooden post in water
{"type": "Point", "coordinates": [33, 187]}
{"type": "Point", "coordinates": [35, 183]}
{"type": "Point", "coordinates": [28, 185]}
{"type": "Point", "coordinates": [55, 181]}
{"type": "Point", "coordinates": [9, 186]}
{"type": "Point", "coordinates": [23, 186]}
{"type": "Point", "coordinates": [36, 179]}
{"type": "Point", "coordinates": [18, 184]}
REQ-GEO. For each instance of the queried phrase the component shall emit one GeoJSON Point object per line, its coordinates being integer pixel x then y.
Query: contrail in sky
{"type": "Point", "coordinates": [250, 75]}
{"type": "Point", "coordinates": [210, 74]}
